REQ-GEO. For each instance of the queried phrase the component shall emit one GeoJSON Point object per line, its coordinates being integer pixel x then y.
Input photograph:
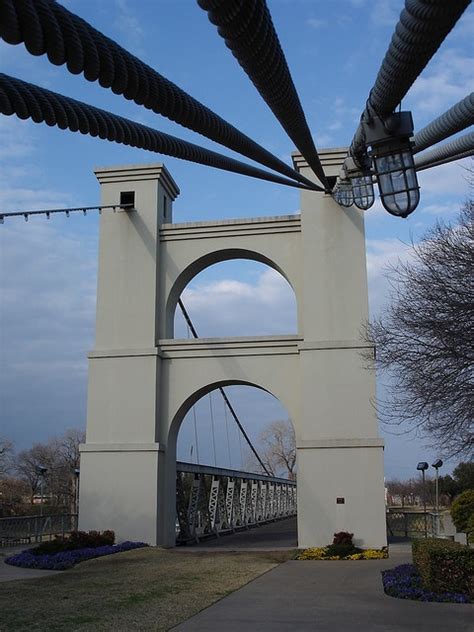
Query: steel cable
{"type": "Point", "coordinates": [189, 322]}
{"type": "Point", "coordinates": [454, 120]}
{"type": "Point", "coordinates": [248, 31]}
{"type": "Point", "coordinates": [46, 27]}
{"type": "Point", "coordinates": [423, 26]}
{"type": "Point", "coordinates": [464, 154]}
{"type": "Point", "coordinates": [447, 152]}
{"type": "Point", "coordinates": [29, 101]}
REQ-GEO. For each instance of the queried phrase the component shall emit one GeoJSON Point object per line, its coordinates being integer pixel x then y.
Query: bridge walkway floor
{"type": "Point", "coordinates": [281, 534]}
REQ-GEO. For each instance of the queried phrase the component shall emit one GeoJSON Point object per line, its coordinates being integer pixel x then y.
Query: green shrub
{"type": "Point", "coordinates": [77, 540]}
{"type": "Point", "coordinates": [462, 511]}
{"type": "Point", "coordinates": [444, 566]}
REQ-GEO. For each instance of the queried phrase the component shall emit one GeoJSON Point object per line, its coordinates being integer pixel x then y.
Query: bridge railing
{"type": "Point", "coordinates": [411, 524]}
{"type": "Point", "coordinates": [27, 529]}
{"type": "Point", "coordinates": [211, 500]}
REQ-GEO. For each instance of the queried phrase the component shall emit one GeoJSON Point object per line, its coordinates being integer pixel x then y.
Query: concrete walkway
{"type": "Point", "coordinates": [9, 573]}
{"type": "Point", "coordinates": [328, 597]}
{"type": "Point", "coordinates": [273, 536]}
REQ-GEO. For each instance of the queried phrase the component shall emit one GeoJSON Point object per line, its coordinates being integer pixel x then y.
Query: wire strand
{"type": "Point", "coordinates": [29, 101]}
{"type": "Point", "coordinates": [46, 27]}
{"type": "Point", "coordinates": [224, 395]}
{"type": "Point", "coordinates": [248, 30]}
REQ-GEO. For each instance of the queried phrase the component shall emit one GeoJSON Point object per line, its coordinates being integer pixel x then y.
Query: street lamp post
{"type": "Point", "coordinates": [423, 466]}
{"type": "Point", "coordinates": [41, 473]}
{"type": "Point", "coordinates": [76, 490]}
{"type": "Point", "coordinates": [437, 464]}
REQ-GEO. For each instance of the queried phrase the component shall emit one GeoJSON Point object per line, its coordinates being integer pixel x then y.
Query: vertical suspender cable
{"type": "Point", "coordinates": [188, 333]}
{"type": "Point", "coordinates": [211, 411]}
{"type": "Point", "coordinates": [196, 435]}
{"type": "Point", "coordinates": [224, 396]}
{"type": "Point", "coordinates": [227, 433]}
{"type": "Point", "coordinates": [241, 451]}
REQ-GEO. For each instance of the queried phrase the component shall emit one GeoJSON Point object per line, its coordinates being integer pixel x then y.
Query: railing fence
{"type": "Point", "coordinates": [29, 529]}
{"type": "Point", "coordinates": [211, 501]}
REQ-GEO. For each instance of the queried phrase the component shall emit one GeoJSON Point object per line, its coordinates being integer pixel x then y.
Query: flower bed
{"type": "Point", "coordinates": [66, 559]}
{"type": "Point", "coordinates": [325, 553]}
{"type": "Point", "coordinates": [405, 582]}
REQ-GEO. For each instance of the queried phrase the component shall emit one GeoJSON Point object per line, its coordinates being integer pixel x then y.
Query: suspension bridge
{"type": "Point", "coordinates": [142, 380]}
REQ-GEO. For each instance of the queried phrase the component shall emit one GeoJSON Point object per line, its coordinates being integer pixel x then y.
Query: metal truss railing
{"type": "Point", "coordinates": [411, 524]}
{"type": "Point", "coordinates": [26, 529]}
{"type": "Point", "coordinates": [211, 501]}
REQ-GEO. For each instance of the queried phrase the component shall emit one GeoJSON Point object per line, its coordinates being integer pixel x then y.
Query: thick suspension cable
{"type": "Point", "coordinates": [454, 120]}
{"type": "Point", "coordinates": [29, 101]}
{"type": "Point", "coordinates": [447, 151]}
{"type": "Point", "coordinates": [248, 31]}
{"type": "Point", "coordinates": [223, 393]}
{"type": "Point", "coordinates": [438, 163]}
{"type": "Point", "coordinates": [46, 27]}
{"type": "Point", "coordinates": [423, 26]}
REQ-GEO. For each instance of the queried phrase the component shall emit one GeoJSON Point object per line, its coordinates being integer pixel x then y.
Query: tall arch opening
{"type": "Point", "coordinates": [239, 297]}
{"type": "Point", "coordinates": [228, 480]}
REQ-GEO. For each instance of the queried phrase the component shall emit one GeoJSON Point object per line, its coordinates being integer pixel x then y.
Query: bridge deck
{"type": "Point", "coordinates": [281, 534]}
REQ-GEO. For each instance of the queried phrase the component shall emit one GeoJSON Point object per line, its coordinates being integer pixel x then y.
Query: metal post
{"type": "Point", "coordinates": [41, 509]}
{"type": "Point", "coordinates": [424, 505]}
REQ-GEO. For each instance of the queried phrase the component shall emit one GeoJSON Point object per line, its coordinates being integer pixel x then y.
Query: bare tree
{"type": "Point", "coordinates": [60, 457]}
{"type": "Point", "coordinates": [277, 449]}
{"type": "Point", "coordinates": [6, 452]}
{"type": "Point", "coordinates": [424, 339]}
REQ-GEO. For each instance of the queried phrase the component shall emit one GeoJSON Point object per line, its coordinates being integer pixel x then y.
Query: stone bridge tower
{"type": "Point", "coordinates": [142, 381]}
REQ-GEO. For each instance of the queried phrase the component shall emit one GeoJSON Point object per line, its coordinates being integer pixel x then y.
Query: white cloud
{"type": "Point", "coordinates": [445, 81]}
{"type": "Point", "coordinates": [447, 180]}
{"type": "Point", "coordinates": [385, 12]}
{"type": "Point", "coordinates": [316, 23]}
{"type": "Point", "coordinates": [128, 24]}
{"type": "Point", "coordinates": [381, 254]}
{"type": "Point", "coordinates": [230, 307]}
{"type": "Point", "coordinates": [15, 139]}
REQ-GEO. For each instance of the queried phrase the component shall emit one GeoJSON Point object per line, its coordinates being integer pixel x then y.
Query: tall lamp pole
{"type": "Point", "coordinates": [41, 473]}
{"type": "Point", "coordinates": [423, 466]}
{"type": "Point", "coordinates": [437, 464]}
{"type": "Point", "coordinates": [76, 490]}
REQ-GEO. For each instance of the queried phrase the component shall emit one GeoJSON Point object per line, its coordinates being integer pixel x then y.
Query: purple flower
{"type": "Point", "coordinates": [405, 582]}
{"type": "Point", "coordinates": [66, 559]}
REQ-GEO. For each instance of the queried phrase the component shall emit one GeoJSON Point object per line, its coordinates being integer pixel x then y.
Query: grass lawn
{"type": "Point", "coordinates": [145, 589]}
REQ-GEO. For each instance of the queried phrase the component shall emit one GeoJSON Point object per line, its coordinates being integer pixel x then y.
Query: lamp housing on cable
{"type": "Point", "coordinates": [343, 190]}
{"type": "Point", "coordinates": [392, 157]}
{"type": "Point", "coordinates": [361, 180]}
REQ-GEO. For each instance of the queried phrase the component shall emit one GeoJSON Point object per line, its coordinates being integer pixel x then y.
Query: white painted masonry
{"type": "Point", "coordinates": [142, 381]}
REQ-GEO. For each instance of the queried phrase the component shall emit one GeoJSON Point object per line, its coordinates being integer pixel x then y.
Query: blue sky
{"type": "Point", "coordinates": [48, 268]}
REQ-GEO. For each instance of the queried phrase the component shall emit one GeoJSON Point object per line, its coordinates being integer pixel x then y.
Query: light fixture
{"type": "Point", "coordinates": [389, 139]}
{"type": "Point", "coordinates": [361, 180]}
{"type": "Point", "coordinates": [343, 191]}
{"type": "Point", "coordinates": [422, 466]}
{"type": "Point", "coordinates": [437, 464]}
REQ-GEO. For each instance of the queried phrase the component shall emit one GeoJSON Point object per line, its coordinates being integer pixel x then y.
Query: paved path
{"type": "Point", "coordinates": [281, 534]}
{"type": "Point", "coordinates": [328, 597]}
{"type": "Point", "coordinates": [9, 573]}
